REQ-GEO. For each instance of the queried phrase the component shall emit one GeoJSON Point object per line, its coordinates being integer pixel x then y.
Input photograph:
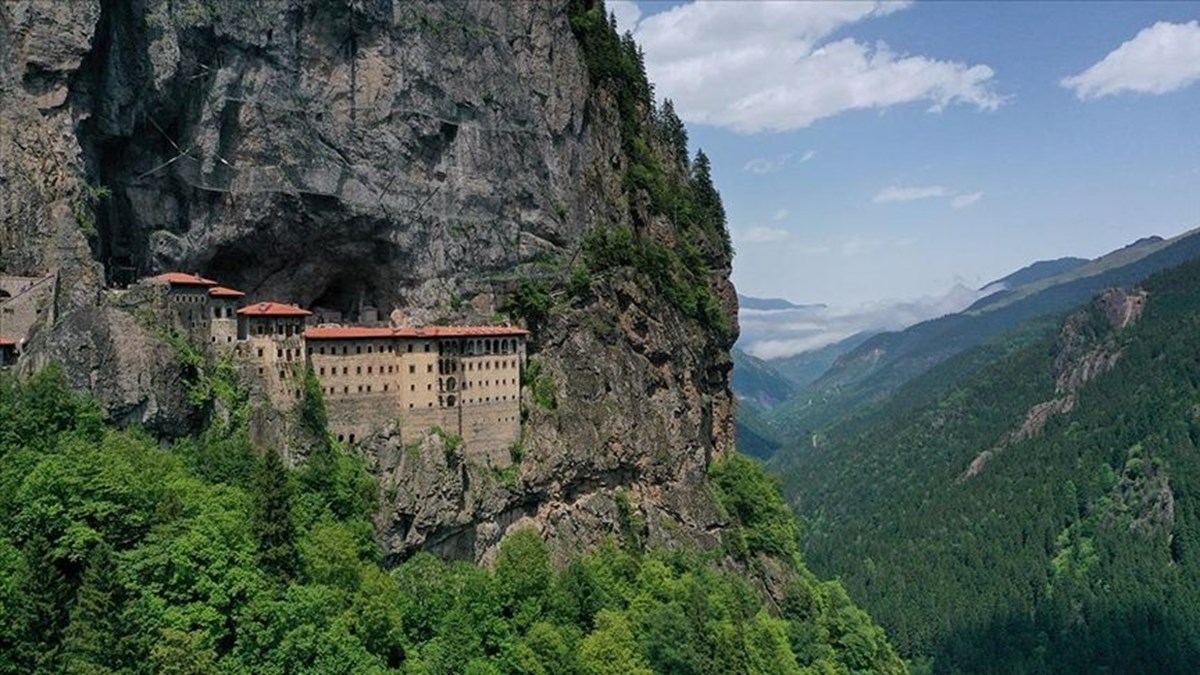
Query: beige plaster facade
{"type": "Point", "coordinates": [464, 380]}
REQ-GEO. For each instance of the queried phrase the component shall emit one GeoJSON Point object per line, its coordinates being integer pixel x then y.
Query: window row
{"type": "Point", "coordinates": [345, 350]}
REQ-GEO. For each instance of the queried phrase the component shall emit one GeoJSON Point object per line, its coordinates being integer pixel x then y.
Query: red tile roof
{"type": "Point", "coordinates": [184, 279]}
{"type": "Point", "coordinates": [5, 342]}
{"type": "Point", "coordinates": [223, 292]}
{"type": "Point", "coordinates": [377, 333]}
{"type": "Point", "coordinates": [273, 309]}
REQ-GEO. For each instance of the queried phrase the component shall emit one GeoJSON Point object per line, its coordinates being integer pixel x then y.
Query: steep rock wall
{"type": "Point", "coordinates": [422, 157]}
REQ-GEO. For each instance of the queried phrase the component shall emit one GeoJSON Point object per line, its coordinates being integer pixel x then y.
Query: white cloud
{"type": "Point", "coordinates": [755, 66]}
{"type": "Point", "coordinates": [963, 201]}
{"type": "Point", "coordinates": [789, 332]}
{"type": "Point", "coordinates": [1162, 58]}
{"type": "Point", "coordinates": [764, 165]}
{"type": "Point", "coordinates": [896, 193]}
{"type": "Point", "coordinates": [808, 155]}
{"type": "Point", "coordinates": [780, 214]}
{"type": "Point", "coordinates": [763, 235]}
{"type": "Point", "coordinates": [627, 12]}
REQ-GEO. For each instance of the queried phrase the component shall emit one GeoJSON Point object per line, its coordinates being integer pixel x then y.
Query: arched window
{"type": "Point", "coordinates": [451, 400]}
{"type": "Point", "coordinates": [451, 383]}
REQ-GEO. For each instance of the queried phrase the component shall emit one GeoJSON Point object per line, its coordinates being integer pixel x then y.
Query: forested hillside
{"type": "Point", "coordinates": [876, 369]}
{"type": "Point", "coordinates": [1041, 515]}
{"type": "Point", "coordinates": [118, 555]}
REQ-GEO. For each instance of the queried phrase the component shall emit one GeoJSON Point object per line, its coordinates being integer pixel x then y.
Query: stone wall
{"type": "Point", "coordinates": [23, 300]}
{"type": "Point", "coordinates": [490, 430]}
{"type": "Point", "coordinates": [223, 323]}
{"type": "Point", "coordinates": [274, 365]}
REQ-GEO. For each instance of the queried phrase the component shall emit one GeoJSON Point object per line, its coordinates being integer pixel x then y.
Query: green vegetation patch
{"type": "Point", "coordinates": [121, 555]}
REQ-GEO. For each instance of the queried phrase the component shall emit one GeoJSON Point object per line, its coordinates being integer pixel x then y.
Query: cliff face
{"type": "Point", "coordinates": [423, 158]}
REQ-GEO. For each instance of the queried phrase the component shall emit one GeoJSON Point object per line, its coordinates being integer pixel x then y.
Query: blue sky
{"type": "Point", "coordinates": [878, 152]}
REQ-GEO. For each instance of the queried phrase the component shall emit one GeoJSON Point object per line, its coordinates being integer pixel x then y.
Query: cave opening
{"type": "Point", "coordinates": [352, 299]}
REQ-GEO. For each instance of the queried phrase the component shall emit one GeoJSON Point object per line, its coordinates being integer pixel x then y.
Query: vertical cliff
{"type": "Point", "coordinates": [445, 160]}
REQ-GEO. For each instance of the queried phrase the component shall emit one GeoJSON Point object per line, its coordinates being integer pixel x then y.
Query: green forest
{"type": "Point", "coordinates": [1075, 550]}
{"type": "Point", "coordinates": [119, 554]}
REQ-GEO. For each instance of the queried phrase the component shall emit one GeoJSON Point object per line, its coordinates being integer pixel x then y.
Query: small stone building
{"type": "Point", "coordinates": [187, 300]}
{"type": "Point", "coordinates": [271, 339]}
{"type": "Point", "coordinates": [223, 329]}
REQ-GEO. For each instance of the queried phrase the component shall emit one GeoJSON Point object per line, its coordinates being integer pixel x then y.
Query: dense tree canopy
{"type": "Point", "coordinates": [120, 555]}
{"type": "Point", "coordinates": [1074, 550]}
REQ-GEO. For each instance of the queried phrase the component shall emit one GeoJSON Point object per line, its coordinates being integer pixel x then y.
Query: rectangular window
{"type": "Point", "coordinates": [322, 371]}
{"type": "Point", "coordinates": [412, 370]}
{"type": "Point", "coordinates": [368, 370]}
{"type": "Point", "coordinates": [429, 368]}
{"type": "Point", "coordinates": [260, 352]}
{"type": "Point", "coordinates": [216, 312]}
{"type": "Point", "coordinates": [410, 349]}
{"type": "Point", "coordinates": [426, 347]}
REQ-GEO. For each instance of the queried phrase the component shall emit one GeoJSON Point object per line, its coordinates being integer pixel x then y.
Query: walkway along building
{"type": "Point", "coordinates": [463, 379]}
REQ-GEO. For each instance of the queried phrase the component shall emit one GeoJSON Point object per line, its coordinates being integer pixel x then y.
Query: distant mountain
{"type": "Point", "coordinates": [757, 381]}
{"type": "Point", "coordinates": [806, 367]}
{"type": "Point", "coordinates": [754, 436]}
{"type": "Point", "coordinates": [880, 365]}
{"type": "Point", "coordinates": [1042, 269]}
{"type": "Point", "coordinates": [1041, 515]}
{"type": "Point", "coordinates": [771, 304]}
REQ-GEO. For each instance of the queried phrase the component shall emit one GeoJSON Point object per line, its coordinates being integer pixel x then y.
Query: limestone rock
{"type": "Point", "coordinates": [418, 157]}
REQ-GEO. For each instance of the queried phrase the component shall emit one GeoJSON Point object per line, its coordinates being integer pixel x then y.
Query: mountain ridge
{"type": "Point", "coordinates": [1073, 545]}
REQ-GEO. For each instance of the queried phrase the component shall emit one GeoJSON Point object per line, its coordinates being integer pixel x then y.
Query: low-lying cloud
{"type": "Point", "coordinates": [781, 333]}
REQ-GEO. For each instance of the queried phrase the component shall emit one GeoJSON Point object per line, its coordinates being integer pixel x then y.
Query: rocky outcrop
{"type": "Point", "coordinates": [1086, 350]}
{"type": "Point", "coordinates": [424, 157]}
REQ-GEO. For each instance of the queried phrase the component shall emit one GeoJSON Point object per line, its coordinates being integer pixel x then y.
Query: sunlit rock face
{"type": "Point", "coordinates": [416, 158]}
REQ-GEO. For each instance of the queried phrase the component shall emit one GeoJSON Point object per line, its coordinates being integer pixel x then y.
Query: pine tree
{"type": "Point", "coordinates": [708, 200]}
{"type": "Point", "coordinates": [273, 518]}
{"type": "Point", "coordinates": [672, 132]}
{"type": "Point", "coordinates": [91, 642]}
